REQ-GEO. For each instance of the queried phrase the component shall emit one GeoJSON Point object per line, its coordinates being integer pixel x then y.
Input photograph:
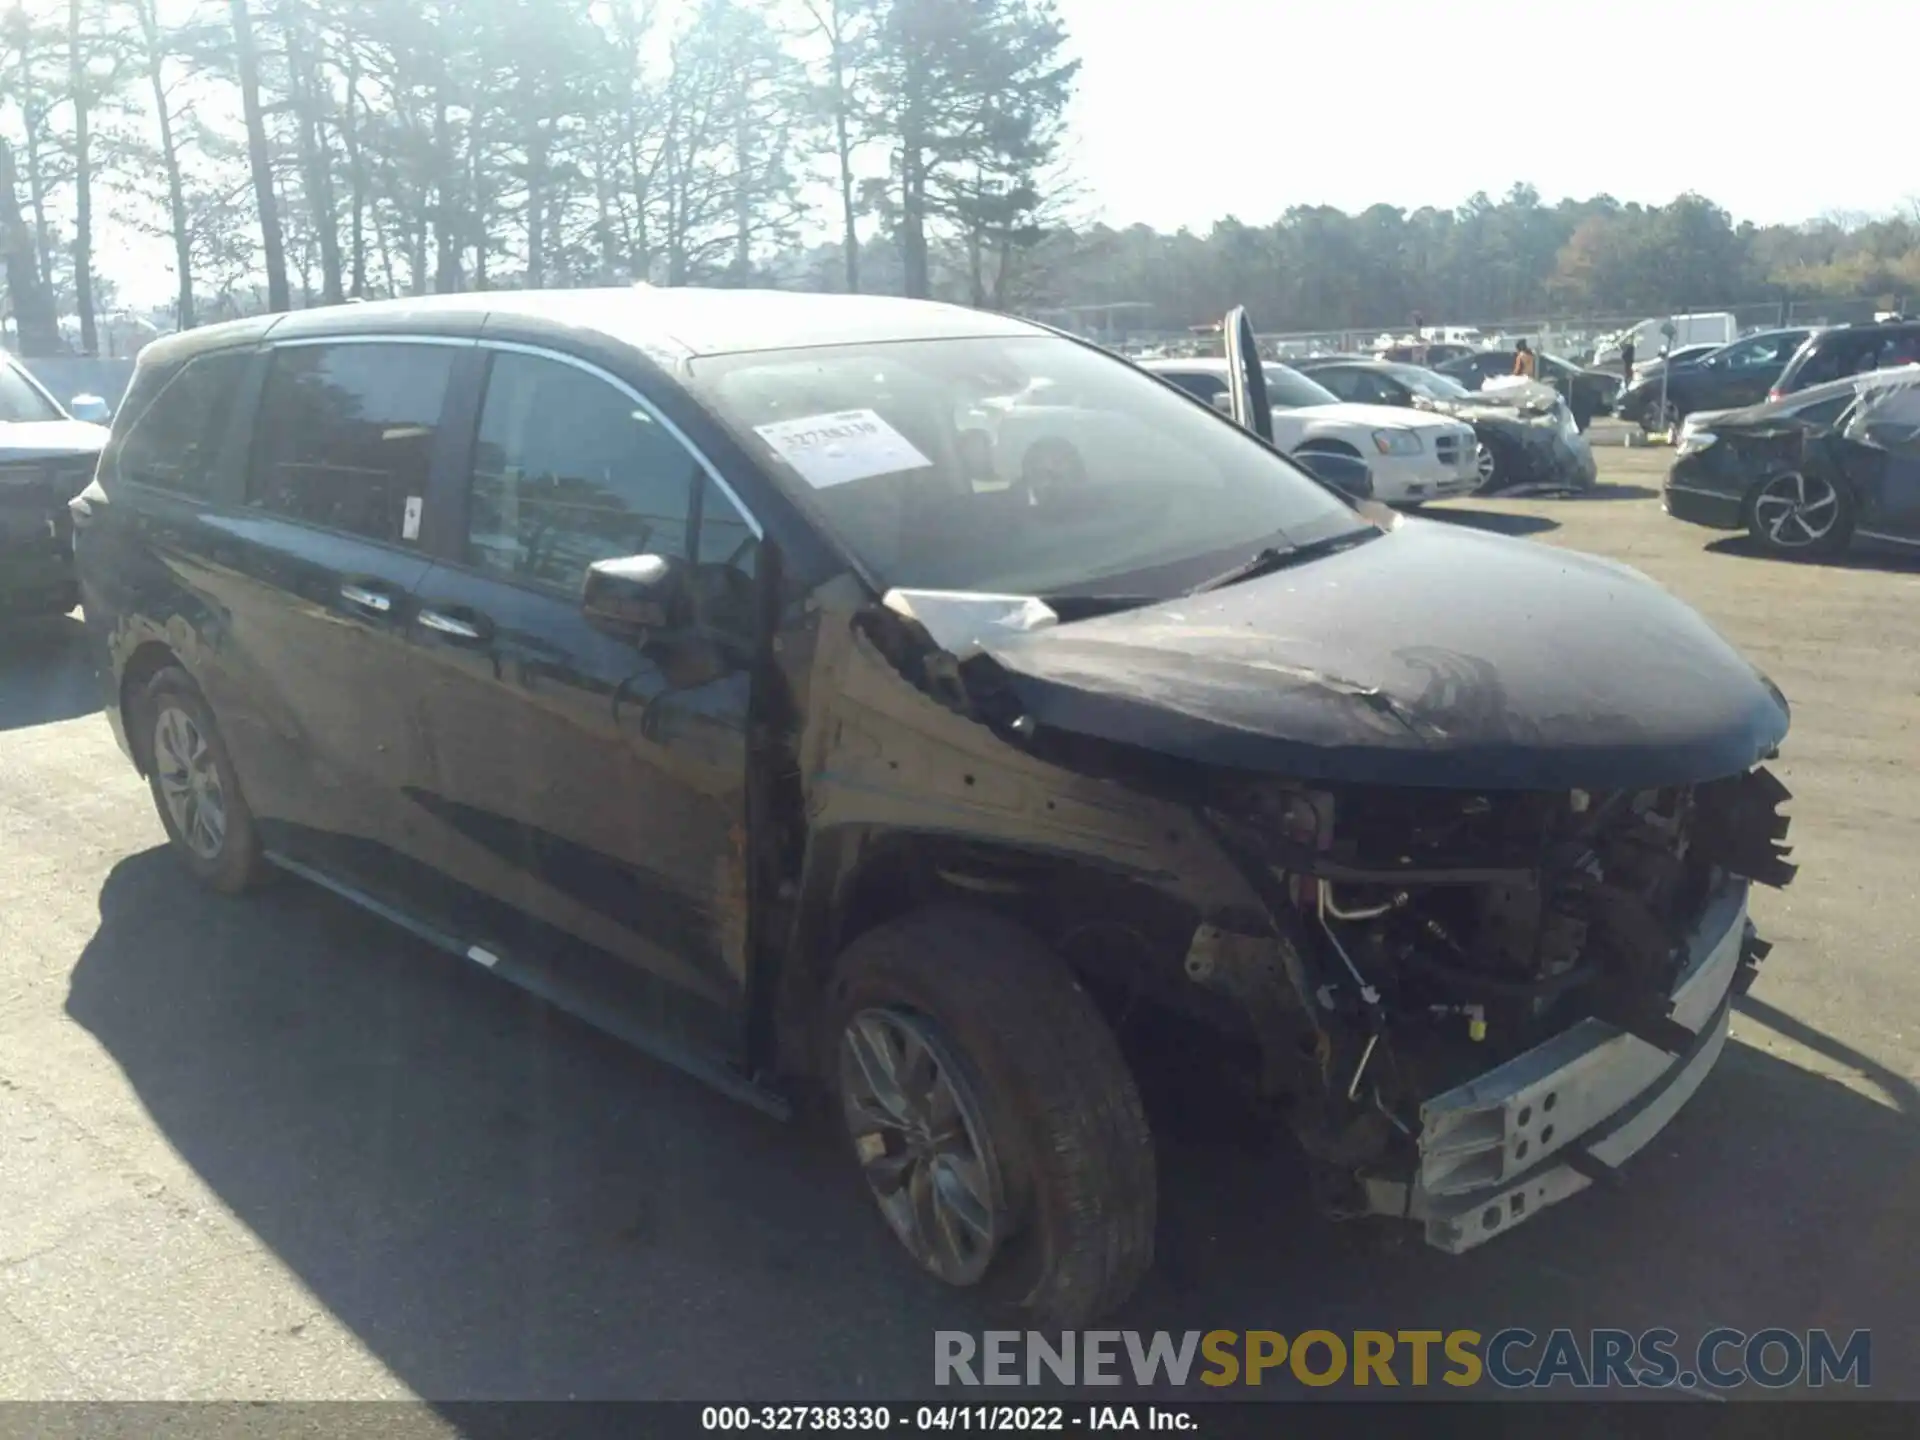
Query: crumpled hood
{"type": "Point", "coordinates": [1380, 417]}
{"type": "Point", "coordinates": [1431, 655]}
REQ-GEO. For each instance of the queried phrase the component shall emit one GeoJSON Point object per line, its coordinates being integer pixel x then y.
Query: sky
{"type": "Point", "coordinates": [1416, 102]}
{"type": "Point", "coordinates": [1191, 110]}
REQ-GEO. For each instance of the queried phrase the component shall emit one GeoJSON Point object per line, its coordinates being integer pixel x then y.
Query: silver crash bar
{"type": "Point", "coordinates": [1501, 1148]}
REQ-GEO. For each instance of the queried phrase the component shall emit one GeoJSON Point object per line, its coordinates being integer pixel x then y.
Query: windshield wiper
{"type": "Point", "coordinates": [1269, 558]}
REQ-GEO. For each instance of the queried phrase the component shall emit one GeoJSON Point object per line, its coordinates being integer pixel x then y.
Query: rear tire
{"type": "Point", "coordinates": [194, 785]}
{"type": "Point", "coordinates": [1040, 1118]}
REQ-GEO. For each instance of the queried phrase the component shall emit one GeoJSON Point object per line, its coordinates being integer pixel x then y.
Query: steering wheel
{"type": "Point", "coordinates": [1054, 475]}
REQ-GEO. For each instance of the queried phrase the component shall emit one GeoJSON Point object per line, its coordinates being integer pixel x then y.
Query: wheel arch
{"type": "Point", "coordinates": [1329, 443]}
{"type": "Point", "coordinates": [861, 876]}
{"type": "Point", "coordinates": [148, 659]}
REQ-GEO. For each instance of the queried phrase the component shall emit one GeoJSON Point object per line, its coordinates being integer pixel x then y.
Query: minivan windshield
{"type": "Point", "coordinates": [1023, 464]}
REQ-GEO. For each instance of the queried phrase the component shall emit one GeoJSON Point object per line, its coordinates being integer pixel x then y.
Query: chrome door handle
{"type": "Point", "coordinates": [365, 598]}
{"type": "Point", "coordinates": [449, 625]}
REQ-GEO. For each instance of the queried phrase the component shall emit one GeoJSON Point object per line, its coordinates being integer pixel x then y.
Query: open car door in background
{"type": "Point", "coordinates": [1246, 376]}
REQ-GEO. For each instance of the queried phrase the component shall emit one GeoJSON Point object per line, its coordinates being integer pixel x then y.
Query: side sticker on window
{"type": "Point", "coordinates": [410, 521]}
{"type": "Point", "coordinates": [830, 450]}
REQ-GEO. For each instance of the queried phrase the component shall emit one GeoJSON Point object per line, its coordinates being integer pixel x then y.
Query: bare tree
{"type": "Point", "coordinates": [33, 316]}
{"type": "Point", "coordinates": [80, 86]}
{"type": "Point", "coordinates": [306, 101]}
{"type": "Point", "coordinates": [29, 42]}
{"type": "Point", "coordinates": [260, 158]}
{"type": "Point", "coordinates": [846, 28]}
{"type": "Point", "coordinates": [156, 52]}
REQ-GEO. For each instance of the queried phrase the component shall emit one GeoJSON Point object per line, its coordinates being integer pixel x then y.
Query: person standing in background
{"type": "Point", "coordinates": [1523, 362]}
{"type": "Point", "coordinates": [1626, 363]}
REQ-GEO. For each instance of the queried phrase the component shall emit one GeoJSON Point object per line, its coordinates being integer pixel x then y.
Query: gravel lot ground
{"type": "Point", "coordinates": [276, 1149]}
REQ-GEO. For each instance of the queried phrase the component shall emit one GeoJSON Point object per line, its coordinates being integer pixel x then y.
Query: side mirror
{"type": "Point", "coordinates": [1223, 402]}
{"type": "Point", "coordinates": [636, 592]}
{"type": "Point", "coordinates": [91, 408]}
{"type": "Point", "coordinates": [1348, 474]}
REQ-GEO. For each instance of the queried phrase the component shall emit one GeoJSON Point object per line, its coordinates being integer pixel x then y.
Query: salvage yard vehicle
{"type": "Point", "coordinates": [1412, 457]}
{"type": "Point", "coordinates": [1527, 440]}
{"type": "Point", "coordinates": [688, 658]}
{"type": "Point", "coordinates": [1722, 379]}
{"type": "Point", "coordinates": [1587, 392]}
{"type": "Point", "coordinates": [46, 456]}
{"type": "Point", "coordinates": [1813, 473]}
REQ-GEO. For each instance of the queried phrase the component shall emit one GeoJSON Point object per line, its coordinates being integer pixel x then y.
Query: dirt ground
{"type": "Point", "coordinates": [276, 1149]}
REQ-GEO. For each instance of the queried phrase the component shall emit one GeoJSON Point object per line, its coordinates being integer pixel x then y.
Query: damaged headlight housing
{"type": "Point", "coordinates": [1396, 442]}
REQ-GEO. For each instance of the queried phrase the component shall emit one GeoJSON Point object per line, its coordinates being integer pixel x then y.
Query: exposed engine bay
{"type": "Point", "coordinates": [1440, 934]}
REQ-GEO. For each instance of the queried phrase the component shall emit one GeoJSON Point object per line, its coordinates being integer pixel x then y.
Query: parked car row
{"type": "Point", "coordinates": [912, 704]}
{"type": "Point", "coordinates": [1772, 364]}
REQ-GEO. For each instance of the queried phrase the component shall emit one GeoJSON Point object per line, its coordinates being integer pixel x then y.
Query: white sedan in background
{"type": "Point", "coordinates": [1415, 456]}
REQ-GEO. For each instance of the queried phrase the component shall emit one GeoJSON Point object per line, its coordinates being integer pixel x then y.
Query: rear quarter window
{"type": "Point", "coordinates": [174, 441]}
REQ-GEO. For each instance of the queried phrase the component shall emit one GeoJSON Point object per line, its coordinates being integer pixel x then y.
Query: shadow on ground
{"type": "Point", "coordinates": [501, 1203]}
{"type": "Point", "coordinates": [46, 672]}
{"type": "Point", "coordinates": [1499, 522]}
{"type": "Point", "coordinates": [1608, 490]}
{"type": "Point", "coordinates": [1859, 556]}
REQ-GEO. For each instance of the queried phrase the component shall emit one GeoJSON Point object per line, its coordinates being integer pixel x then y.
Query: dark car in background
{"type": "Point", "coordinates": [742, 672]}
{"type": "Point", "coordinates": [1810, 473]}
{"type": "Point", "coordinates": [1724, 378]}
{"type": "Point", "coordinates": [1844, 350]}
{"type": "Point", "coordinates": [1587, 392]}
{"type": "Point", "coordinates": [1525, 440]}
{"type": "Point", "coordinates": [46, 458]}
{"type": "Point", "coordinates": [1651, 362]}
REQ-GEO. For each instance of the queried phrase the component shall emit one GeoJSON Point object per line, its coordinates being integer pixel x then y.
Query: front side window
{"type": "Point", "coordinates": [1288, 389]}
{"type": "Point", "coordinates": [568, 470]}
{"type": "Point", "coordinates": [1764, 351]}
{"type": "Point", "coordinates": [1429, 384]}
{"type": "Point", "coordinates": [21, 400]}
{"type": "Point", "coordinates": [175, 444]}
{"type": "Point", "coordinates": [942, 464]}
{"type": "Point", "coordinates": [346, 434]}
{"type": "Point", "coordinates": [1199, 384]}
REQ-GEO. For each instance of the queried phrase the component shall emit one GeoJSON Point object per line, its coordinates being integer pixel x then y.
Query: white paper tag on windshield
{"type": "Point", "coordinates": [831, 450]}
{"type": "Point", "coordinates": [410, 521]}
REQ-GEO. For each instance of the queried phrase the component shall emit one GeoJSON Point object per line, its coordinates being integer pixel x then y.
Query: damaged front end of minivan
{"type": "Point", "coordinates": [1472, 921]}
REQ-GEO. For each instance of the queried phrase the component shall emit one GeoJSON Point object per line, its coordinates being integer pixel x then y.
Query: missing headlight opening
{"type": "Point", "coordinates": [1464, 931]}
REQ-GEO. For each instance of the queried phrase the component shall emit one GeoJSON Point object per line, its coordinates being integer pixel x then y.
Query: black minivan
{"type": "Point", "coordinates": [921, 707]}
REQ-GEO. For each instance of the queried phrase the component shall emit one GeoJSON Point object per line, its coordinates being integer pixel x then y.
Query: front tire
{"type": "Point", "coordinates": [992, 1116]}
{"type": "Point", "coordinates": [1800, 512]}
{"type": "Point", "coordinates": [1491, 467]}
{"type": "Point", "coordinates": [194, 785]}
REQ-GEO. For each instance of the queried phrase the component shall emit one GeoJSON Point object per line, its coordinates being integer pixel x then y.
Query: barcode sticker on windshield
{"type": "Point", "coordinates": [830, 450]}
